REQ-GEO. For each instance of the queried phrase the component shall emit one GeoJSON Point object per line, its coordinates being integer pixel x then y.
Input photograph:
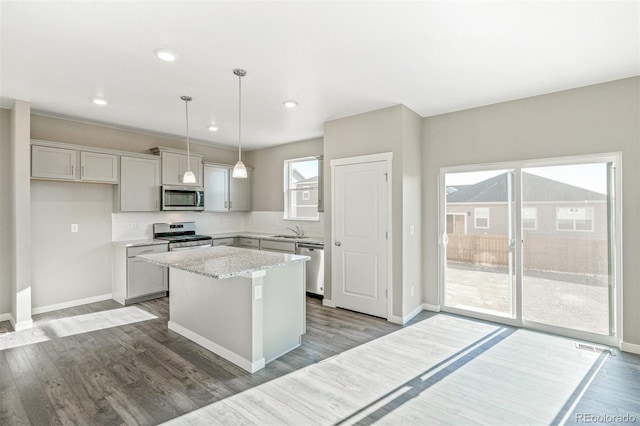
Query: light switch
{"type": "Point", "coordinates": [258, 292]}
{"type": "Point", "coordinates": [412, 229]}
{"type": "Point", "coordinates": [74, 227]}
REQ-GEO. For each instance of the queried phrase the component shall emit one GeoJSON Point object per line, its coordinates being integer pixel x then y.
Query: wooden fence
{"type": "Point", "coordinates": [540, 252]}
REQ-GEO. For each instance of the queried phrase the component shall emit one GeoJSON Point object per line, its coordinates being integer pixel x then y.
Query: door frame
{"type": "Point", "coordinates": [518, 321]}
{"type": "Point", "coordinates": [361, 159]}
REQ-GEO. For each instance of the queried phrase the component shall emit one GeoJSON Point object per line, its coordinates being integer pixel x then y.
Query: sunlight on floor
{"type": "Point", "coordinates": [443, 369]}
{"type": "Point", "coordinates": [61, 327]}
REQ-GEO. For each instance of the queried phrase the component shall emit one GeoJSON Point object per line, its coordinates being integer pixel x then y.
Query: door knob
{"type": "Point", "coordinates": [338, 243]}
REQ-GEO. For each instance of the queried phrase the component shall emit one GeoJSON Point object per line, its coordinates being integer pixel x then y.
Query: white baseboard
{"type": "Point", "coordinates": [430, 308]}
{"type": "Point", "coordinates": [70, 304]}
{"type": "Point", "coordinates": [395, 319]}
{"type": "Point", "coordinates": [22, 325]}
{"type": "Point", "coordinates": [225, 353]}
{"type": "Point", "coordinates": [630, 347]}
{"type": "Point", "coordinates": [328, 302]}
{"type": "Point", "coordinates": [7, 317]}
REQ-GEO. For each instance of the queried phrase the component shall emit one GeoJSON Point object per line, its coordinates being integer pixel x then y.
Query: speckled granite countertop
{"type": "Point", "coordinates": [222, 262]}
{"type": "Point", "coordinates": [266, 236]}
{"type": "Point", "coordinates": [138, 243]}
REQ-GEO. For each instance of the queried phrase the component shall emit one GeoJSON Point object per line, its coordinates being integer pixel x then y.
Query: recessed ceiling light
{"type": "Point", "coordinates": [99, 101]}
{"type": "Point", "coordinates": [290, 103]}
{"type": "Point", "coordinates": [213, 128]}
{"type": "Point", "coordinates": [165, 55]}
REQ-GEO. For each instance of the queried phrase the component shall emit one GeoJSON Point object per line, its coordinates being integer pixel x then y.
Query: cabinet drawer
{"type": "Point", "coordinates": [283, 246]}
{"type": "Point", "coordinates": [248, 242]}
{"type": "Point", "coordinates": [158, 248]}
{"type": "Point", "coordinates": [224, 242]}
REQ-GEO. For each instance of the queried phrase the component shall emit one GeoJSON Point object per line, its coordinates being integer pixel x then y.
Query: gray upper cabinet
{"type": "Point", "coordinates": [240, 193]}
{"type": "Point", "coordinates": [97, 167]}
{"type": "Point", "coordinates": [50, 162]}
{"type": "Point", "coordinates": [222, 193]}
{"type": "Point", "coordinates": [175, 164]}
{"type": "Point", "coordinates": [139, 189]}
{"type": "Point", "coordinates": [216, 188]}
{"type": "Point", "coordinates": [53, 163]}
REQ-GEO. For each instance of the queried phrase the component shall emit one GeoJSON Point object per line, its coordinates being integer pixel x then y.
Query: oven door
{"type": "Point", "coordinates": [182, 198]}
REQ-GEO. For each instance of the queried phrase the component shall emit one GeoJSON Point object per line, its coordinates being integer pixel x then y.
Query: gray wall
{"type": "Point", "coordinates": [6, 216]}
{"type": "Point", "coordinates": [70, 266]}
{"type": "Point", "coordinates": [267, 183]}
{"type": "Point", "coordinates": [594, 119]}
{"type": "Point", "coordinates": [394, 129]}
{"type": "Point", "coordinates": [80, 133]}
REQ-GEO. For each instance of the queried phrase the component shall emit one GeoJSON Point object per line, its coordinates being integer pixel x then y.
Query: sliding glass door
{"type": "Point", "coordinates": [479, 241]}
{"type": "Point", "coordinates": [533, 244]}
{"type": "Point", "coordinates": [567, 275]}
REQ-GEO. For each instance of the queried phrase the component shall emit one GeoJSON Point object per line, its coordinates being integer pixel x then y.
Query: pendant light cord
{"type": "Point", "coordinates": [239, 118]}
{"type": "Point", "coordinates": [186, 104]}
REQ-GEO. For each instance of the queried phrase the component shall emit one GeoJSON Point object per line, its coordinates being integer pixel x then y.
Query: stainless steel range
{"type": "Point", "coordinates": [181, 236]}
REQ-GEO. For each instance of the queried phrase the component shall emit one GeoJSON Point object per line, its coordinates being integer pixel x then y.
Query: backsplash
{"type": "Point", "coordinates": [272, 222]}
{"type": "Point", "coordinates": [136, 226]}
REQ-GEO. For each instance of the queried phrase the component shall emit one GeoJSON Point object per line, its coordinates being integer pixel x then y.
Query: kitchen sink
{"type": "Point", "coordinates": [289, 236]}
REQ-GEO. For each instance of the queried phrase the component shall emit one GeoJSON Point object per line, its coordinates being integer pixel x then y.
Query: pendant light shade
{"type": "Point", "coordinates": [239, 170]}
{"type": "Point", "coordinates": [188, 177]}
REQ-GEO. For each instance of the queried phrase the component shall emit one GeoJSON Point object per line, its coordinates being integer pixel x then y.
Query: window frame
{"type": "Point", "coordinates": [476, 217]}
{"type": "Point", "coordinates": [288, 191]}
{"type": "Point", "coordinates": [586, 209]}
{"type": "Point", "coordinates": [535, 218]}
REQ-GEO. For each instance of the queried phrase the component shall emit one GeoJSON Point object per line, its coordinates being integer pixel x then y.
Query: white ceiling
{"type": "Point", "coordinates": [335, 58]}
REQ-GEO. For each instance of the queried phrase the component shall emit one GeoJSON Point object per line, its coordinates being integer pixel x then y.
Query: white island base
{"type": "Point", "coordinates": [249, 320]}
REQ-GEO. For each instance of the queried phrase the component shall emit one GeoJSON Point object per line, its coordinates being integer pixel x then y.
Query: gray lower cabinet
{"type": "Point", "coordinates": [278, 246]}
{"type": "Point", "coordinates": [134, 279]}
{"type": "Point", "coordinates": [224, 242]}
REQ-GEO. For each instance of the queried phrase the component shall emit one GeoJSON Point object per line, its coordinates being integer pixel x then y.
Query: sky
{"type": "Point", "coordinates": [588, 176]}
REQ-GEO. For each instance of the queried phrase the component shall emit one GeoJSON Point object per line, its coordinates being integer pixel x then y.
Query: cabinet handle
{"type": "Point", "coordinates": [82, 171]}
{"type": "Point", "coordinates": [229, 204]}
{"type": "Point", "coordinates": [72, 170]}
{"type": "Point", "coordinates": [225, 204]}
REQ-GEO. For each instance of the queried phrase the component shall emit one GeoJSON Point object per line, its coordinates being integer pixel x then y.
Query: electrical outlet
{"type": "Point", "coordinates": [74, 227]}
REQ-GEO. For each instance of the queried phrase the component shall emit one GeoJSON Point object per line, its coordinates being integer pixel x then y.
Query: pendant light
{"type": "Point", "coordinates": [188, 177]}
{"type": "Point", "coordinates": [239, 170]}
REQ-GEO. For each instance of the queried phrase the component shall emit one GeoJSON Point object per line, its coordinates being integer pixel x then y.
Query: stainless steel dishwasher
{"type": "Point", "coordinates": [314, 267]}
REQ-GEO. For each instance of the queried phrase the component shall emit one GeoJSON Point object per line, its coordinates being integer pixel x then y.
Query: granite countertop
{"type": "Point", "coordinates": [138, 243]}
{"type": "Point", "coordinates": [266, 236]}
{"type": "Point", "coordinates": [222, 262]}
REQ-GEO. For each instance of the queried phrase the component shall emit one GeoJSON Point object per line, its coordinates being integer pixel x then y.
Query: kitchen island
{"type": "Point", "coordinates": [247, 306]}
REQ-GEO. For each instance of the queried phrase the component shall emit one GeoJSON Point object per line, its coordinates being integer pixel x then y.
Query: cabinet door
{"type": "Point", "coordinates": [196, 168]}
{"type": "Point", "coordinates": [139, 184]}
{"type": "Point", "coordinates": [240, 194]}
{"type": "Point", "coordinates": [216, 188]}
{"type": "Point", "coordinates": [53, 163]}
{"type": "Point", "coordinates": [95, 167]}
{"type": "Point", "coordinates": [172, 168]}
{"type": "Point", "coordinates": [144, 278]}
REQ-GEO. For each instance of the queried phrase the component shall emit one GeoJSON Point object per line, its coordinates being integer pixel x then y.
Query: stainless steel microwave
{"type": "Point", "coordinates": [182, 198]}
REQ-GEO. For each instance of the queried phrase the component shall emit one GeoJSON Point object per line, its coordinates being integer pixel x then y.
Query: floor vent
{"type": "Point", "coordinates": [592, 348]}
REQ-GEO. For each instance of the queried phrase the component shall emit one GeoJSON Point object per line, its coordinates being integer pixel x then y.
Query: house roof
{"type": "Point", "coordinates": [536, 188]}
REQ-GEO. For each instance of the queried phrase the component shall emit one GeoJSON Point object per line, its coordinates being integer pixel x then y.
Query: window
{"type": "Point", "coordinates": [530, 218]}
{"type": "Point", "coordinates": [574, 219]}
{"type": "Point", "coordinates": [301, 189]}
{"type": "Point", "coordinates": [481, 216]}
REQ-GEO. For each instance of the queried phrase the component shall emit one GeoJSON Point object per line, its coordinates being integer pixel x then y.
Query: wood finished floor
{"type": "Point", "coordinates": [105, 364]}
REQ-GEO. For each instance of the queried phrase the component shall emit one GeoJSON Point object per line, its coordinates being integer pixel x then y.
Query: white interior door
{"type": "Point", "coordinates": [360, 246]}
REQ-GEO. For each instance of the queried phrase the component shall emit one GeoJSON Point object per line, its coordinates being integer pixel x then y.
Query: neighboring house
{"type": "Point", "coordinates": [549, 208]}
{"type": "Point", "coordinates": [305, 195]}
{"type": "Point", "coordinates": [564, 227]}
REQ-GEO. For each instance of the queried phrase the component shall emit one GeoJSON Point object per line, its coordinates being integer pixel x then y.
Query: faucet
{"type": "Point", "coordinates": [298, 231]}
